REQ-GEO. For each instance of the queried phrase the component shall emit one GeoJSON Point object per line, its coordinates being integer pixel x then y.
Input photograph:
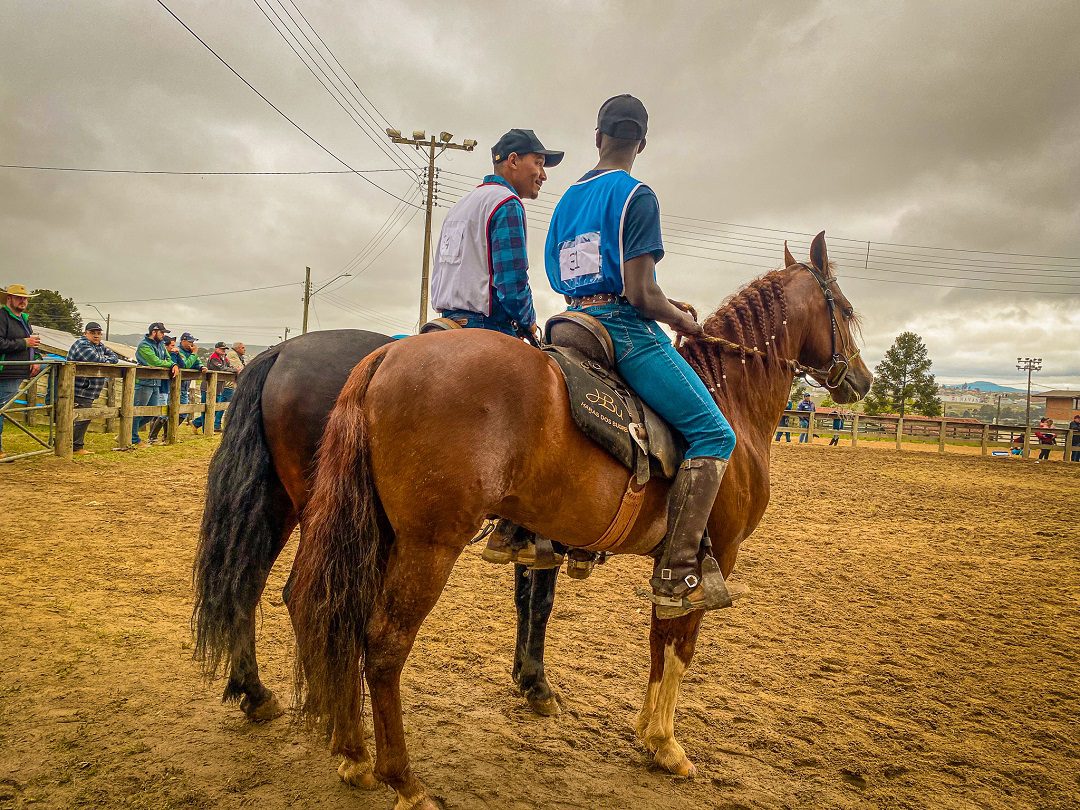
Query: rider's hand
{"type": "Point", "coordinates": [175, 371]}
{"type": "Point", "coordinates": [33, 341]}
{"type": "Point", "coordinates": [687, 326]}
{"type": "Point", "coordinates": [685, 307]}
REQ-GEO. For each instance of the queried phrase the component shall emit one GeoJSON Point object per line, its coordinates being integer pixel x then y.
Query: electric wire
{"type": "Point", "coordinates": [277, 109]}
{"type": "Point", "coordinates": [200, 295]}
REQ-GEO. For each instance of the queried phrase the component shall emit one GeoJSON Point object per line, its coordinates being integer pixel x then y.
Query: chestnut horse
{"type": "Point", "coordinates": [434, 434]}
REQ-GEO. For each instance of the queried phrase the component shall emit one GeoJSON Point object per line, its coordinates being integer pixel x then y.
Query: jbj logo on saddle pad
{"type": "Point", "coordinates": [605, 401]}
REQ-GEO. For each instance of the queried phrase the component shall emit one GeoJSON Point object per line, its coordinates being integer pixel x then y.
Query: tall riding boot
{"type": "Point", "coordinates": [680, 584]}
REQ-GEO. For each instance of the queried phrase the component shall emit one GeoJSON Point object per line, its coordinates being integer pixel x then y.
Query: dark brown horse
{"type": "Point", "coordinates": [258, 485]}
{"type": "Point", "coordinates": [433, 434]}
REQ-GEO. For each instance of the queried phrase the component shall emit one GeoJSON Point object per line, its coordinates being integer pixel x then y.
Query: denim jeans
{"type": "Point", "coordinates": [650, 365]}
{"type": "Point", "coordinates": [144, 395]}
{"type": "Point", "coordinates": [79, 431]}
{"type": "Point", "coordinates": [474, 320]}
{"type": "Point", "coordinates": [8, 387]}
{"type": "Point", "coordinates": [226, 395]}
{"type": "Point", "coordinates": [804, 437]}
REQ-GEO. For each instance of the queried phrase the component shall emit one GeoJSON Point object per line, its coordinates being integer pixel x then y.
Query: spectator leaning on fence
{"type": "Point", "coordinates": [17, 343]}
{"type": "Point", "coordinates": [151, 352]}
{"type": "Point", "coordinates": [219, 361]}
{"type": "Point", "coordinates": [1074, 426]}
{"type": "Point", "coordinates": [784, 424]}
{"type": "Point", "coordinates": [837, 426]}
{"type": "Point", "coordinates": [237, 357]}
{"type": "Point", "coordinates": [161, 423]}
{"type": "Point", "coordinates": [88, 349]}
{"type": "Point", "coordinates": [804, 421]}
{"type": "Point", "coordinates": [187, 357]}
{"type": "Point", "coordinates": [1046, 436]}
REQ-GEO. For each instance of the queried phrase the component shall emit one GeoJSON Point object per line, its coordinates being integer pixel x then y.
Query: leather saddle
{"type": "Point", "coordinates": [604, 407]}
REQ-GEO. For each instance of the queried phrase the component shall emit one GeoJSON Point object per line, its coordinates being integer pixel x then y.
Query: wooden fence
{"type": "Point", "coordinates": [119, 410]}
{"type": "Point", "coordinates": [989, 436]}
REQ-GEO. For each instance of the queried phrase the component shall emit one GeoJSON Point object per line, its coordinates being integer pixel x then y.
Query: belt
{"type": "Point", "coordinates": [595, 300]}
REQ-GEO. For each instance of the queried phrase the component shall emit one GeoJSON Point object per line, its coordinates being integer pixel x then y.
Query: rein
{"type": "Point", "coordinates": [832, 377]}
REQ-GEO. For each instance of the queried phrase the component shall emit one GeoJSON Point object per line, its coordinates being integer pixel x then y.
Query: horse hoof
{"type": "Point", "coordinates": [422, 802]}
{"type": "Point", "coordinates": [674, 761]}
{"type": "Point", "coordinates": [545, 707]}
{"type": "Point", "coordinates": [267, 710]}
{"type": "Point", "coordinates": [357, 774]}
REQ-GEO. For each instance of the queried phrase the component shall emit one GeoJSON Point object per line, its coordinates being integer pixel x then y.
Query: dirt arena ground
{"type": "Point", "coordinates": [910, 642]}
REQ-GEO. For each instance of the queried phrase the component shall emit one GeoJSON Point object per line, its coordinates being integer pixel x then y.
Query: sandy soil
{"type": "Point", "coordinates": [911, 641]}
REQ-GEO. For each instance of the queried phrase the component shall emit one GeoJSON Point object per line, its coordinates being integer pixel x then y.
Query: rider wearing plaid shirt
{"type": "Point", "coordinates": [481, 268]}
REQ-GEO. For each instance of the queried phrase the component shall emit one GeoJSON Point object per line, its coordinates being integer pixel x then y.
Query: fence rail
{"type": "Point", "coordinates": [119, 410]}
{"type": "Point", "coordinates": [989, 436]}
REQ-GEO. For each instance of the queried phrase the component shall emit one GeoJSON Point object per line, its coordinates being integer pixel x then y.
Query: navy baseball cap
{"type": "Point", "coordinates": [156, 325]}
{"type": "Point", "coordinates": [93, 326]}
{"type": "Point", "coordinates": [623, 117]}
{"type": "Point", "coordinates": [189, 336]}
{"type": "Point", "coordinates": [524, 142]}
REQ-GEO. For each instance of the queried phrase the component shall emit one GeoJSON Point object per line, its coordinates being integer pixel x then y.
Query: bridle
{"type": "Point", "coordinates": [837, 372]}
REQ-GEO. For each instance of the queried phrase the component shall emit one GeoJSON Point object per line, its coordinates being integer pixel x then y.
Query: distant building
{"type": "Point", "coordinates": [1060, 405]}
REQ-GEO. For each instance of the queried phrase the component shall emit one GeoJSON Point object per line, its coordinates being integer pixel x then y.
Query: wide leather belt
{"type": "Point", "coordinates": [595, 300]}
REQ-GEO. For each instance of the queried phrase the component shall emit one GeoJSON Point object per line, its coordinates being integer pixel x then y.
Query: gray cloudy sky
{"type": "Point", "coordinates": [952, 125]}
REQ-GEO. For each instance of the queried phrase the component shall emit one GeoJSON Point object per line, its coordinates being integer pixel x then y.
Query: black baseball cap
{"type": "Point", "coordinates": [623, 117]}
{"type": "Point", "coordinates": [221, 344]}
{"type": "Point", "coordinates": [156, 325]}
{"type": "Point", "coordinates": [524, 142]}
{"type": "Point", "coordinates": [189, 336]}
{"type": "Point", "coordinates": [93, 326]}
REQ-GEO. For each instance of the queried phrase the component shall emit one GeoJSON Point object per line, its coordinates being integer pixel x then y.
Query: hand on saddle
{"type": "Point", "coordinates": [531, 334]}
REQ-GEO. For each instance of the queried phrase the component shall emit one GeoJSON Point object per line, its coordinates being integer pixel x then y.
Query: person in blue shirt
{"type": "Point", "coordinates": [806, 405]}
{"type": "Point", "coordinates": [480, 275]}
{"type": "Point", "coordinates": [602, 248]}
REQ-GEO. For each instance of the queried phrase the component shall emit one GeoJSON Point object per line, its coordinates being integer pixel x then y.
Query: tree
{"type": "Point", "coordinates": [902, 380]}
{"type": "Point", "coordinates": [52, 311]}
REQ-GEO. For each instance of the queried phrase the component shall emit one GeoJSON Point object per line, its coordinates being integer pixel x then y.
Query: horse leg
{"type": "Point", "coordinates": [256, 701]}
{"type": "Point", "coordinates": [534, 595]}
{"type": "Point", "coordinates": [407, 598]}
{"type": "Point", "coordinates": [357, 766]}
{"type": "Point", "coordinates": [671, 646]}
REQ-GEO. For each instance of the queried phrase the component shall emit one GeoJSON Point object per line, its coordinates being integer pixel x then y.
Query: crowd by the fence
{"type": "Point", "coordinates": [20, 348]}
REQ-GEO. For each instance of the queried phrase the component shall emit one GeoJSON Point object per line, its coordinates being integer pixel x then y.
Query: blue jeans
{"type": "Point", "coordinates": [226, 395]}
{"type": "Point", "coordinates": [804, 437]}
{"type": "Point", "coordinates": [474, 320]}
{"type": "Point", "coordinates": [144, 395]}
{"type": "Point", "coordinates": [650, 365]}
{"type": "Point", "coordinates": [8, 387]}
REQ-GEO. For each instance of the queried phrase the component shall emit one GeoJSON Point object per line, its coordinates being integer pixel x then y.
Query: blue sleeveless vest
{"type": "Point", "coordinates": [584, 250]}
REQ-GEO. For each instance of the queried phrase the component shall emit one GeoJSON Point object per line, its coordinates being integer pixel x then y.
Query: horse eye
{"type": "Point", "coordinates": [849, 313]}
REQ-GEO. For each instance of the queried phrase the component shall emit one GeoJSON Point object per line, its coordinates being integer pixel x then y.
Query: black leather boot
{"type": "Point", "coordinates": [680, 584]}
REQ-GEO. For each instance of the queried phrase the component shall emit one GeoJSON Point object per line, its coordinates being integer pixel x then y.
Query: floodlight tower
{"type": "Point", "coordinates": [419, 138]}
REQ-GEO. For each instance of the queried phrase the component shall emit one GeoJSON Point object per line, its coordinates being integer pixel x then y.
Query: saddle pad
{"type": "Point", "coordinates": [605, 410]}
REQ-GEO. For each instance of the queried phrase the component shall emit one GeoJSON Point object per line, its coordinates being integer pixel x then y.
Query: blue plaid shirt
{"type": "Point", "coordinates": [510, 262]}
{"type": "Point", "coordinates": [86, 352]}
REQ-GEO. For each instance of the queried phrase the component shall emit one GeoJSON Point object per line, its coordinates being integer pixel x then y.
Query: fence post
{"type": "Point", "coordinates": [127, 406]}
{"type": "Point", "coordinates": [941, 437]}
{"type": "Point", "coordinates": [1068, 445]}
{"type": "Point", "coordinates": [110, 401]}
{"type": "Point", "coordinates": [1027, 442]}
{"type": "Point", "coordinates": [211, 403]}
{"type": "Point", "coordinates": [172, 414]}
{"type": "Point", "coordinates": [899, 431]}
{"type": "Point", "coordinates": [985, 439]}
{"type": "Point", "coordinates": [854, 429]}
{"type": "Point", "coordinates": [63, 411]}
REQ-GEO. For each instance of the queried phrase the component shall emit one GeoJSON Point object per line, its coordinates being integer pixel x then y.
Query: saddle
{"type": "Point", "coordinates": [604, 407]}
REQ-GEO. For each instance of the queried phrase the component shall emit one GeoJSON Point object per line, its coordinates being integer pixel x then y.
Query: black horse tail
{"type": "Point", "coordinates": [241, 527]}
{"type": "Point", "coordinates": [337, 571]}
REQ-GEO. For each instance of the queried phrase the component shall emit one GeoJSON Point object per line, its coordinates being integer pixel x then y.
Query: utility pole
{"type": "Point", "coordinates": [286, 333]}
{"type": "Point", "coordinates": [419, 139]}
{"type": "Point", "coordinates": [997, 416]}
{"type": "Point", "coordinates": [1028, 364]}
{"type": "Point", "coordinates": [108, 323]}
{"type": "Point", "coordinates": [307, 297]}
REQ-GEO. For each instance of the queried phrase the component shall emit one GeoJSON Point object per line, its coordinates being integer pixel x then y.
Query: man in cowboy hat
{"type": "Point", "coordinates": [17, 342]}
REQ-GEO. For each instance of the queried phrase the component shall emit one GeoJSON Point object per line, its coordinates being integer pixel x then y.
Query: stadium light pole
{"type": "Point", "coordinates": [419, 138]}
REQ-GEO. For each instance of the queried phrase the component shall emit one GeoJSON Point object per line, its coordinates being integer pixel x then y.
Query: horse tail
{"type": "Point", "coordinates": [241, 526]}
{"type": "Point", "coordinates": [337, 572]}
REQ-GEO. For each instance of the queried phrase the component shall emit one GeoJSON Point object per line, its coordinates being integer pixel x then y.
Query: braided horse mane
{"type": "Point", "coordinates": [745, 329]}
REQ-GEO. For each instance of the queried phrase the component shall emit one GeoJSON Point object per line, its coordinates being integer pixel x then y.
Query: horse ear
{"type": "Point", "coordinates": [819, 256]}
{"type": "Point", "coordinates": [788, 258]}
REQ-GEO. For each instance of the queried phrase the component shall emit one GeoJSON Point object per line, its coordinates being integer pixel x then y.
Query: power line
{"type": "Point", "coordinates": [274, 106]}
{"type": "Point", "coordinates": [200, 295]}
{"type": "Point", "coordinates": [188, 174]}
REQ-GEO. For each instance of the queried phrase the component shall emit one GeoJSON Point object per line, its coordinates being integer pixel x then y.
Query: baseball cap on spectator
{"type": "Point", "coordinates": [156, 325]}
{"type": "Point", "coordinates": [221, 344]}
{"type": "Point", "coordinates": [623, 117]}
{"type": "Point", "coordinates": [189, 336]}
{"type": "Point", "coordinates": [524, 142]}
{"type": "Point", "coordinates": [93, 326]}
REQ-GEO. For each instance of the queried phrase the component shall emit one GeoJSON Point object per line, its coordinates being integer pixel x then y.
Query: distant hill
{"type": "Point", "coordinates": [993, 388]}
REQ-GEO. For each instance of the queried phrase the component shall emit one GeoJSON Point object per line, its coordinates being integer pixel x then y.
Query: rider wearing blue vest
{"type": "Point", "coordinates": [602, 248]}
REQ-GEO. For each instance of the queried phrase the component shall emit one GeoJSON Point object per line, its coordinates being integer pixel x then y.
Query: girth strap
{"type": "Point", "coordinates": [624, 521]}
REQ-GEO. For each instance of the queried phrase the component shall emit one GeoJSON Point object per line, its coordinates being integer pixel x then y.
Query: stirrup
{"type": "Point", "coordinates": [580, 563]}
{"type": "Point", "coordinates": [535, 552]}
{"type": "Point", "coordinates": [708, 592]}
